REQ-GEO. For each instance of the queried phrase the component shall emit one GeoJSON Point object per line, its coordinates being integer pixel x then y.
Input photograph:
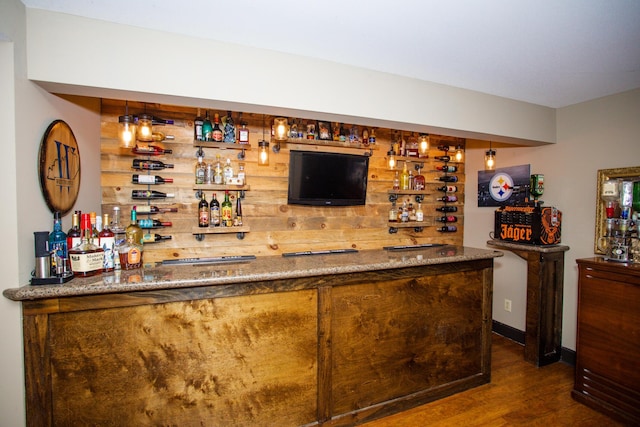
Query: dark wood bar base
{"type": "Point", "coordinates": [608, 341]}
{"type": "Point", "coordinates": [334, 350]}
{"type": "Point", "coordinates": [545, 283]}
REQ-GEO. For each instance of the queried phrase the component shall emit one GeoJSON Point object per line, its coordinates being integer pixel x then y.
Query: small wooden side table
{"type": "Point", "coordinates": [545, 279]}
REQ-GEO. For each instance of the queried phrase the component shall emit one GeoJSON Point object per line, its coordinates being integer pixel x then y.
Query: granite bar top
{"type": "Point", "coordinates": [161, 276]}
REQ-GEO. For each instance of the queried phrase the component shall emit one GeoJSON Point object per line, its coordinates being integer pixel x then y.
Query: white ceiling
{"type": "Point", "coordinates": [549, 52]}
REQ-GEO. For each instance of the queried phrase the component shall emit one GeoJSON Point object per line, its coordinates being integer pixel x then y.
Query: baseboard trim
{"type": "Point", "coordinates": [509, 332]}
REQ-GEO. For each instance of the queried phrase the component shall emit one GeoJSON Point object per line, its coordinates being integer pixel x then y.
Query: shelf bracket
{"type": "Point", "coordinates": [393, 230]}
{"type": "Point", "coordinates": [240, 235]}
{"type": "Point", "coordinates": [418, 229]}
{"type": "Point", "coordinates": [199, 237]}
{"type": "Point", "coordinates": [200, 152]}
{"type": "Point", "coordinates": [393, 197]}
{"type": "Point", "coordinates": [419, 198]}
{"type": "Point", "coordinates": [241, 155]}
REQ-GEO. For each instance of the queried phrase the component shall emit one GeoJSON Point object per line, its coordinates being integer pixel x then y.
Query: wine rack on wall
{"type": "Point", "coordinates": [275, 226]}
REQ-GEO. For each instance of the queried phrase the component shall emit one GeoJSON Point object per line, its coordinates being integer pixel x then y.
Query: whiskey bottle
{"type": "Point", "coordinates": [203, 212]}
{"type": "Point", "coordinates": [143, 164]}
{"type": "Point", "coordinates": [130, 253]}
{"type": "Point", "coordinates": [214, 216]}
{"type": "Point", "coordinates": [149, 179]}
{"type": "Point", "coordinates": [217, 134]}
{"type": "Point", "coordinates": [150, 150]}
{"type": "Point", "coordinates": [74, 235]}
{"type": "Point", "coordinates": [86, 258]}
{"type": "Point", "coordinates": [396, 181]}
{"type": "Point", "coordinates": [153, 223]}
{"type": "Point", "coordinates": [198, 122]}
{"type": "Point", "coordinates": [243, 134]}
{"type": "Point", "coordinates": [217, 173]}
{"type": "Point", "coordinates": [393, 213]}
{"type": "Point", "coordinates": [107, 241]}
{"type": "Point", "coordinates": [149, 194]}
{"type": "Point", "coordinates": [226, 211]}
{"type": "Point", "coordinates": [419, 181]}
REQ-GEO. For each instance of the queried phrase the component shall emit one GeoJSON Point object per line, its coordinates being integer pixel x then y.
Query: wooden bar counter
{"type": "Point", "coordinates": [332, 340]}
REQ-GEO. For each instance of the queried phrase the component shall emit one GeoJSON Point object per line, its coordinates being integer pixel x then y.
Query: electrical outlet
{"type": "Point", "coordinates": [507, 305]}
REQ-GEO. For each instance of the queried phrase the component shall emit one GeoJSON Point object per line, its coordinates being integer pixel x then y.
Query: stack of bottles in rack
{"type": "Point", "coordinates": [216, 214]}
{"type": "Point", "coordinates": [447, 197]}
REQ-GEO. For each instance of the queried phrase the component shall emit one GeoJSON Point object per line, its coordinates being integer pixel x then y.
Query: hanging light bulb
{"type": "Point", "coordinates": [281, 129]}
{"type": "Point", "coordinates": [263, 155]}
{"type": "Point", "coordinates": [145, 132]}
{"type": "Point", "coordinates": [391, 159]}
{"type": "Point", "coordinates": [126, 128]}
{"type": "Point", "coordinates": [424, 145]}
{"type": "Point", "coordinates": [490, 159]}
{"type": "Point", "coordinates": [459, 156]}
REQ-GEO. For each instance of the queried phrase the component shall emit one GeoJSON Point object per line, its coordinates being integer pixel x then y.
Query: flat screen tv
{"type": "Point", "coordinates": [327, 179]}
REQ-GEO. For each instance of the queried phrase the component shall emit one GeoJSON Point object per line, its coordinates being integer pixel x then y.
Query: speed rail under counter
{"type": "Point", "coordinates": [313, 340]}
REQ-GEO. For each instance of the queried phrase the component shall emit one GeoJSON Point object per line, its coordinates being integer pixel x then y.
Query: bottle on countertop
{"type": "Point", "coordinates": [131, 252]}
{"type": "Point", "coordinates": [74, 235]}
{"type": "Point", "coordinates": [226, 211]}
{"type": "Point", "coordinates": [94, 228]}
{"type": "Point", "coordinates": [150, 194]}
{"type": "Point", "coordinates": [149, 179]}
{"type": "Point", "coordinates": [214, 207]}
{"type": "Point", "coordinates": [107, 241]}
{"type": "Point", "coordinates": [150, 150]}
{"type": "Point", "coordinates": [86, 258]}
{"type": "Point", "coordinates": [203, 211]}
{"type": "Point", "coordinates": [144, 164]}
{"type": "Point", "coordinates": [198, 122]}
{"type": "Point", "coordinates": [133, 230]}
{"type": "Point", "coordinates": [217, 134]}
{"type": "Point", "coordinates": [58, 247]}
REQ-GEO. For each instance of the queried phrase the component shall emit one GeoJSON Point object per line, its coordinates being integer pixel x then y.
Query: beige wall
{"type": "Point", "coordinates": [590, 136]}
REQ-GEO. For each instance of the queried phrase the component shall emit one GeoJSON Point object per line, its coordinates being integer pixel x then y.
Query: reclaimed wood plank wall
{"type": "Point", "coordinates": [275, 226]}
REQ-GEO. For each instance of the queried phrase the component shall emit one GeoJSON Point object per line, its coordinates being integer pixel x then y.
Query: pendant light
{"type": "Point", "coordinates": [424, 145]}
{"type": "Point", "coordinates": [391, 158]}
{"type": "Point", "coordinates": [126, 128]}
{"type": "Point", "coordinates": [263, 145]}
{"type": "Point", "coordinates": [490, 159]}
{"type": "Point", "coordinates": [280, 132]}
{"type": "Point", "coordinates": [145, 132]}
{"type": "Point", "coordinates": [459, 155]}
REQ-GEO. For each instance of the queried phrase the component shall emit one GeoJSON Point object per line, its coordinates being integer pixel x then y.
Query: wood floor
{"type": "Point", "coordinates": [519, 394]}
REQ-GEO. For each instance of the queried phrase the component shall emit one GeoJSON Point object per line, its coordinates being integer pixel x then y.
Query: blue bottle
{"type": "Point", "coordinates": [58, 248]}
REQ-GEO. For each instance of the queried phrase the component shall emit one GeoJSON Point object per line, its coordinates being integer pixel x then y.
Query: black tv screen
{"type": "Point", "coordinates": [327, 179]}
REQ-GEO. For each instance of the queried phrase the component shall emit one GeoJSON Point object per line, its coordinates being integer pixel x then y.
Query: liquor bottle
{"type": "Point", "coordinates": [201, 171]}
{"type": "Point", "coordinates": [419, 182]}
{"type": "Point", "coordinates": [448, 188]}
{"type": "Point", "coordinates": [227, 172]}
{"type": "Point", "coordinates": [94, 230]}
{"type": "Point", "coordinates": [412, 212]}
{"type": "Point", "coordinates": [198, 122]}
{"type": "Point", "coordinates": [117, 227]}
{"type": "Point", "coordinates": [404, 213]}
{"type": "Point", "coordinates": [150, 165]}
{"type": "Point", "coordinates": [217, 173]}
{"type": "Point", "coordinates": [404, 178]}
{"type": "Point", "coordinates": [150, 150]}
{"type": "Point", "coordinates": [241, 173]}
{"type": "Point", "coordinates": [226, 211]}
{"type": "Point", "coordinates": [447, 199]}
{"type": "Point", "coordinates": [149, 194]}
{"type": "Point", "coordinates": [448, 178]}
{"type": "Point", "coordinates": [133, 230]}
{"type": "Point", "coordinates": [396, 181]}
{"type": "Point", "coordinates": [229, 127]}
{"type": "Point", "coordinates": [150, 179]}
{"type": "Point", "coordinates": [161, 136]}
{"type": "Point", "coordinates": [447, 229]}
{"type": "Point", "coordinates": [154, 238]}
{"type": "Point", "coordinates": [365, 137]}
{"type": "Point", "coordinates": [58, 247]}
{"type": "Point", "coordinates": [243, 134]}
{"type": "Point", "coordinates": [393, 213]}
{"type": "Point", "coordinates": [238, 218]}
{"type": "Point", "coordinates": [130, 252]}
{"type": "Point", "coordinates": [411, 181]}
{"type": "Point", "coordinates": [372, 137]}
{"type": "Point", "coordinates": [443, 158]}
{"type": "Point", "coordinates": [153, 223]}
{"type": "Point", "coordinates": [447, 209]}
{"type": "Point", "coordinates": [203, 212]}
{"type": "Point", "coordinates": [217, 134]}
{"type": "Point", "coordinates": [146, 209]}
{"type": "Point", "coordinates": [74, 236]}
{"type": "Point", "coordinates": [293, 130]}
{"type": "Point", "coordinates": [107, 241]}
{"type": "Point", "coordinates": [207, 128]}
{"type": "Point", "coordinates": [447, 218]}
{"type": "Point", "coordinates": [343, 133]}
{"type": "Point", "coordinates": [419, 213]}
{"type": "Point", "coordinates": [86, 258]}
{"type": "Point", "coordinates": [214, 207]}
{"type": "Point", "coordinates": [447, 168]}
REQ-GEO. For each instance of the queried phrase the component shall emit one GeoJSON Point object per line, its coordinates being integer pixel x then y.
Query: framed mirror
{"type": "Point", "coordinates": [622, 174]}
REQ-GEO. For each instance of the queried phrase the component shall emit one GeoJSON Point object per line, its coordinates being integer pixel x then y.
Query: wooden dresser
{"type": "Point", "coordinates": [608, 338]}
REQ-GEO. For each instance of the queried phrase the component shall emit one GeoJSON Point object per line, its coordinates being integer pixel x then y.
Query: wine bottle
{"type": "Point", "coordinates": [145, 209]}
{"type": "Point", "coordinates": [154, 238]}
{"type": "Point", "coordinates": [150, 179]}
{"type": "Point", "coordinates": [447, 209]}
{"type": "Point", "coordinates": [198, 122]}
{"type": "Point", "coordinates": [214, 207]}
{"type": "Point", "coordinates": [448, 178]}
{"type": "Point", "coordinates": [448, 218]}
{"type": "Point", "coordinates": [203, 212]}
{"type": "Point", "coordinates": [133, 230]}
{"type": "Point", "coordinates": [447, 168]}
{"type": "Point", "coordinates": [229, 135]}
{"type": "Point", "coordinates": [443, 158]}
{"type": "Point", "coordinates": [150, 150]}
{"type": "Point", "coordinates": [447, 229]}
{"type": "Point", "coordinates": [216, 134]}
{"type": "Point", "coordinates": [149, 194]}
{"type": "Point", "coordinates": [58, 247]}
{"type": "Point", "coordinates": [143, 164]}
{"type": "Point", "coordinates": [226, 211]}
{"type": "Point", "coordinates": [107, 241]}
{"type": "Point", "coordinates": [238, 220]}
{"type": "Point", "coordinates": [207, 128]}
{"type": "Point", "coordinates": [153, 223]}
{"type": "Point", "coordinates": [86, 258]}
{"type": "Point", "coordinates": [447, 199]}
{"type": "Point", "coordinates": [448, 188]}
{"type": "Point", "coordinates": [158, 121]}
{"type": "Point", "coordinates": [161, 136]}
{"type": "Point", "coordinates": [74, 235]}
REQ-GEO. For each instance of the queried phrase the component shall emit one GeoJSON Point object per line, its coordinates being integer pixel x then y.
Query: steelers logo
{"type": "Point", "coordinates": [501, 187]}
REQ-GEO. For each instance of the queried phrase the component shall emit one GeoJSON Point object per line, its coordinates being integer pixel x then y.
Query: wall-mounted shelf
{"type": "Point", "coordinates": [327, 143]}
{"type": "Point", "coordinates": [221, 146]}
{"type": "Point", "coordinates": [200, 232]}
{"type": "Point", "coordinates": [199, 188]}
{"type": "Point", "coordinates": [419, 194]}
{"type": "Point", "coordinates": [417, 226]}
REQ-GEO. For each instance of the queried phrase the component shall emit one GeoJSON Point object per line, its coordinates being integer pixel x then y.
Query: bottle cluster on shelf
{"type": "Point", "coordinates": [216, 214]}
{"type": "Point", "coordinates": [219, 173]}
